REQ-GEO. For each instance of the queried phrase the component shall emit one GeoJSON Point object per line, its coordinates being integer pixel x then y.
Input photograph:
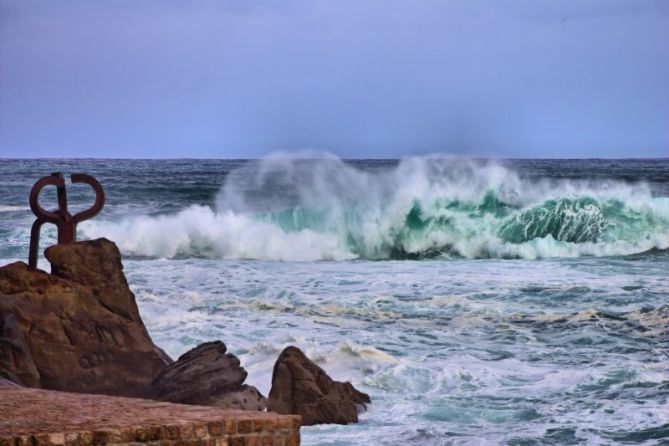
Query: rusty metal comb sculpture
{"type": "Point", "coordinates": [64, 221]}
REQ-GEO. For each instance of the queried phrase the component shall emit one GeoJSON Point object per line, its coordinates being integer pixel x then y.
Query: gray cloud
{"type": "Point", "coordinates": [373, 78]}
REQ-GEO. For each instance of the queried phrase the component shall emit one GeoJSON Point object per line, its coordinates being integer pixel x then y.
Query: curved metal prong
{"type": "Point", "coordinates": [55, 179]}
{"type": "Point", "coordinates": [34, 244]}
{"type": "Point", "coordinates": [99, 197]}
{"type": "Point", "coordinates": [64, 221]}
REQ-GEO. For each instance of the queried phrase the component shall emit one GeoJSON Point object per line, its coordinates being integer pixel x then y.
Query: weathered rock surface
{"type": "Point", "coordinates": [77, 329]}
{"type": "Point", "coordinates": [300, 387]}
{"type": "Point", "coordinates": [16, 361]}
{"type": "Point", "coordinates": [207, 375]}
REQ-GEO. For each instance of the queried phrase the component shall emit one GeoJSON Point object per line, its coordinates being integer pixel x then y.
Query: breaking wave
{"type": "Point", "coordinates": [304, 210]}
{"type": "Point", "coordinates": [12, 208]}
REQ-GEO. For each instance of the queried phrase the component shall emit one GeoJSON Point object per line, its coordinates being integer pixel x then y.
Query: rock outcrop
{"type": "Point", "coordinates": [77, 329]}
{"type": "Point", "coordinates": [209, 376]}
{"type": "Point", "coordinates": [300, 387]}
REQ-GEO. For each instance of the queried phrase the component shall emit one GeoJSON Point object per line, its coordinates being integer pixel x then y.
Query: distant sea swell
{"type": "Point", "coordinates": [307, 210]}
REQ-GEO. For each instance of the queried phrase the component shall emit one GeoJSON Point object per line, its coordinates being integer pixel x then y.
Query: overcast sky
{"type": "Point", "coordinates": [359, 78]}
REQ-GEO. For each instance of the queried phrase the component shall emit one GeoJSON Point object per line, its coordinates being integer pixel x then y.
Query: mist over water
{"type": "Point", "coordinates": [306, 209]}
{"type": "Point", "coordinates": [506, 302]}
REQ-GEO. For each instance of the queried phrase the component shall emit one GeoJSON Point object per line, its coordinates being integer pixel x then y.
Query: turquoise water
{"type": "Point", "coordinates": [517, 302]}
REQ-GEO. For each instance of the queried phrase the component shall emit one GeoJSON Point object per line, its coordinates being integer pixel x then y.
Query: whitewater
{"type": "Point", "coordinates": [476, 301]}
{"type": "Point", "coordinates": [287, 209]}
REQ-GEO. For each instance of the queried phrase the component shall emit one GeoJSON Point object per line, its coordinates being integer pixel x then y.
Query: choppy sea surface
{"type": "Point", "coordinates": [478, 302]}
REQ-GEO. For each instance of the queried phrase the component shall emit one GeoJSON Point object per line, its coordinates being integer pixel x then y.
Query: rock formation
{"type": "Point", "coordinates": [79, 330]}
{"type": "Point", "coordinates": [206, 375]}
{"type": "Point", "coordinates": [300, 387]}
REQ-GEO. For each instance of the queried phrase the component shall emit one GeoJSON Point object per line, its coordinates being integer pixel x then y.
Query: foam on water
{"type": "Point", "coordinates": [450, 351]}
{"type": "Point", "coordinates": [12, 208]}
{"type": "Point", "coordinates": [284, 209]}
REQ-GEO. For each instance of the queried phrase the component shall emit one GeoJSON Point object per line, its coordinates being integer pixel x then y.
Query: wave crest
{"type": "Point", "coordinates": [287, 209]}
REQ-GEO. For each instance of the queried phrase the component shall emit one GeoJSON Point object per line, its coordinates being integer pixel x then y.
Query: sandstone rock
{"type": "Point", "coordinates": [77, 329]}
{"type": "Point", "coordinates": [97, 264]}
{"type": "Point", "coordinates": [16, 361]}
{"type": "Point", "coordinates": [300, 387]}
{"type": "Point", "coordinates": [207, 375]}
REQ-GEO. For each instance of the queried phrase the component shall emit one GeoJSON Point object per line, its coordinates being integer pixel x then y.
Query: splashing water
{"type": "Point", "coordinates": [288, 209]}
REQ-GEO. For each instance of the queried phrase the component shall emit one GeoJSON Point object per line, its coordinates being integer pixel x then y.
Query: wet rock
{"type": "Point", "coordinates": [207, 375]}
{"type": "Point", "coordinates": [300, 387]}
{"type": "Point", "coordinates": [77, 329]}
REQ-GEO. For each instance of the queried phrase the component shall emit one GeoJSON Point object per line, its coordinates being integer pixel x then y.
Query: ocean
{"type": "Point", "coordinates": [518, 302]}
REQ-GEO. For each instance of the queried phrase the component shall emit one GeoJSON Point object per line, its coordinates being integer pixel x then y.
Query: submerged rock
{"type": "Point", "coordinates": [300, 387]}
{"type": "Point", "coordinates": [77, 329]}
{"type": "Point", "coordinates": [207, 375]}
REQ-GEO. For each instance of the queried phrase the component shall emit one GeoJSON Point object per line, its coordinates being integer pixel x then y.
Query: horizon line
{"type": "Point", "coordinates": [326, 158]}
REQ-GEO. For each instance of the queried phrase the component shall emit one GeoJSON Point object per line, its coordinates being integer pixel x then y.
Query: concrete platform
{"type": "Point", "coordinates": [44, 417]}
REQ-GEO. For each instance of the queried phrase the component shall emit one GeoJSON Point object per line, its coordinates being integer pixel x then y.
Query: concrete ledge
{"type": "Point", "coordinates": [43, 417]}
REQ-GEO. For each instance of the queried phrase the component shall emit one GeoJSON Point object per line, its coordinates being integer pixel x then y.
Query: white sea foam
{"type": "Point", "coordinates": [12, 208]}
{"type": "Point", "coordinates": [283, 209]}
{"type": "Point", "coordinates": [469, 348]}
{"type": "Point", "coordinates": [198, 231]}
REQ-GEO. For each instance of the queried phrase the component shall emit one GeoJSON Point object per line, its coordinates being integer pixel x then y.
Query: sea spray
{"type": "Point", "coordinates": [290, 209]}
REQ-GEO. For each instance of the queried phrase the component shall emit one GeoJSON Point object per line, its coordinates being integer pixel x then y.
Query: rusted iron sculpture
{"type": "Point", "coordinates": [64, 221]}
